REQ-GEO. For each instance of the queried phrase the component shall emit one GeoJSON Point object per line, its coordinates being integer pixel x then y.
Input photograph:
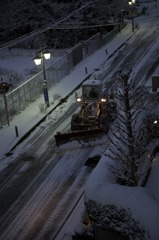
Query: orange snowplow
{"type": "Point", "coordinates": [94, 116]}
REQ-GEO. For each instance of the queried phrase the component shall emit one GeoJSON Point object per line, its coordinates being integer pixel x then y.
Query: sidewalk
{"type": "Point", "coordinates": [29, 118]}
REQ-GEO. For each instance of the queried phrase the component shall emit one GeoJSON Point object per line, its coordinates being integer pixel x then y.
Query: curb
{"type": "Point", "coordinates": [43, 118]}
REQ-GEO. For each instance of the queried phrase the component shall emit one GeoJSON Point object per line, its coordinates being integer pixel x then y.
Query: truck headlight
{"type": "Point", "coordinates": [78, 99]}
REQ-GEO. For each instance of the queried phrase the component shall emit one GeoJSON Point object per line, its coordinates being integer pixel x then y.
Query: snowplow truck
{"type": "Point", "coordinates": [93, 119]}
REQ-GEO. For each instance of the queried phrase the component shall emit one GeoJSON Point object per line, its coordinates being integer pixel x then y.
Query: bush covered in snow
{"type": "Point", "coordinates": [110, 217]}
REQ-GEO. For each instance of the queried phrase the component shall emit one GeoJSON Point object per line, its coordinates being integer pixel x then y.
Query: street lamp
{"type": "Point", "coordinates": [41, 60]}
{"type": "Point", "coordinates": [131, 4]}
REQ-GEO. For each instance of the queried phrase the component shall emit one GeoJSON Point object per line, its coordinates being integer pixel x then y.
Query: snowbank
{"type": "Point", "coordinates": [102, 188]}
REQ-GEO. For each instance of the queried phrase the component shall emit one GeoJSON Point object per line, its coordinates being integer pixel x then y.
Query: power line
{"type": "Point", "coordinates": [64, 27]}
{"type": "Point", "coordinates": [47, 27]}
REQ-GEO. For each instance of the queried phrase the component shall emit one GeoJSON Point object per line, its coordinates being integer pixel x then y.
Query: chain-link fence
{"type": "Point", "coordinates": [108, 37]}
{"type": "Point", "coordinates": [18, 99]}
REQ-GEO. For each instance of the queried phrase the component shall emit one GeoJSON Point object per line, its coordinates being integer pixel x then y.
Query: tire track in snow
{"type": "Point", "coordinates": [36, 210]}
{"type": "Point", "coordinates": [17, 215]}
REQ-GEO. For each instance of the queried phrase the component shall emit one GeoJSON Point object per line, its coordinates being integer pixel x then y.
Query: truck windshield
{"type": "Point", "coordinates": [90, 92]}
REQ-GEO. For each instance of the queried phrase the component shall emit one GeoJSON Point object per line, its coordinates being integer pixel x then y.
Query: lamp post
{"type": "Point", "coordinates": [131, 4]}
{"type": "Point", "coordinates": [41, 60]}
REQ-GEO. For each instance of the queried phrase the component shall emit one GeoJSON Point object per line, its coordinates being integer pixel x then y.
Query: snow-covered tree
{"type": "Point", "coordinates": [119, 220]}
{"type": "Point", "coordinates": [129, 135]}
{"type": "Point", "coordinates": [19, 18]}
{"type": "Point", "coordinates": [22, 17]}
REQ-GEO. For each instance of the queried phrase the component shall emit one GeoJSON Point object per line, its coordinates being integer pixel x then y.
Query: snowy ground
{"type": "Point", "coordinates": [28, 118]}
{"type": "Point", "coordinates": [32, 115]}
{"type": "Point", "coordinates": [143, 202]}
{"type": "Point", "coordinates": [18, 65]}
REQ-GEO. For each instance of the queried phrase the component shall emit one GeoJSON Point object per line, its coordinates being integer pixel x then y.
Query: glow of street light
{"type": "Point", "coordinates": [132, 2]}
{"type": "Point", "coordinates": [47, 55]}
{"type": "Point", "coordinates": [37, 60]}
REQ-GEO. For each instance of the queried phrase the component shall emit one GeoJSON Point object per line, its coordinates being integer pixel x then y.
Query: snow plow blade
{"type": "Point", "coordinates": [85, 135]}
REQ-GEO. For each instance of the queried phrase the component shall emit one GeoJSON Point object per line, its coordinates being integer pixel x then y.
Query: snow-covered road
{"type": "Point", "coordinates": [42, 191]}
{"type": "Point", "coordinates": [42, 183]}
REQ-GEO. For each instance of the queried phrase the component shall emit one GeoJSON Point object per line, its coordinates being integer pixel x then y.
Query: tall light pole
{"type": "Point", "coordinates": [41, 60]}
{"type": "Point", "coordinates": [131, 4]}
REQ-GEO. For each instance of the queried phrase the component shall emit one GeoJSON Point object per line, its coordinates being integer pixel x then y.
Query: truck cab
{"type": "Point", "coordinates": [92, 90]}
